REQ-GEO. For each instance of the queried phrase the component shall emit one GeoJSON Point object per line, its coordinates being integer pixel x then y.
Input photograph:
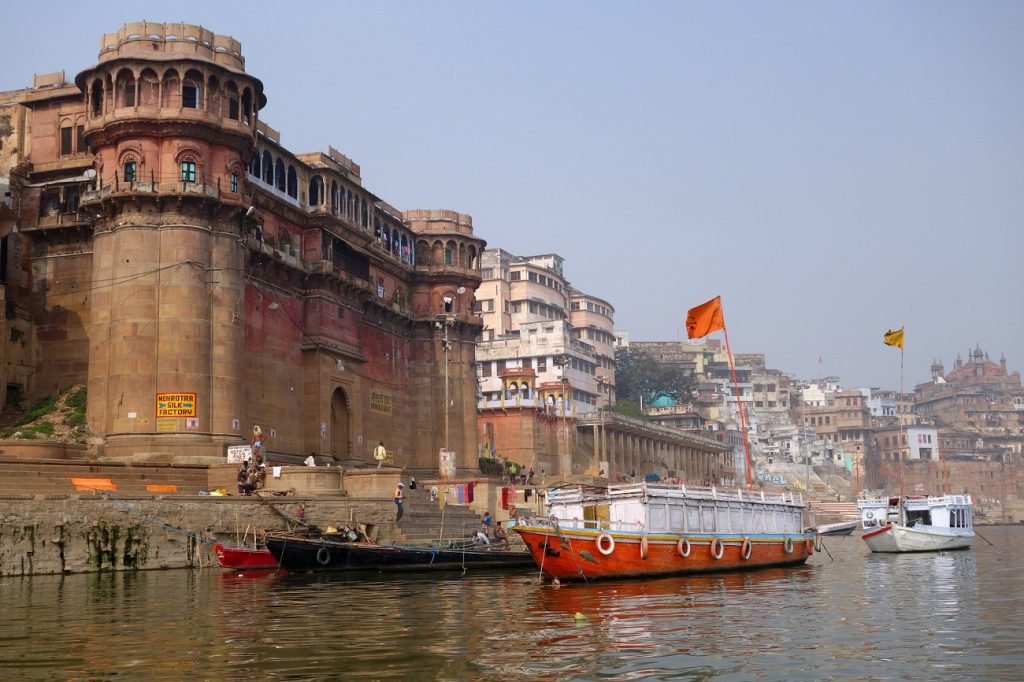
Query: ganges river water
{"type": "Point", "coordinates": [854, 616]}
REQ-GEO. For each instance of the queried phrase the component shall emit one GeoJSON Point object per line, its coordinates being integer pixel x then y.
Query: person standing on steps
{"type": "Point", "coordinates": [380, 454]}
{"type": "Point", "coordinates": [399, 498]}
{"type": "Point", "coordinates": [257, 444]}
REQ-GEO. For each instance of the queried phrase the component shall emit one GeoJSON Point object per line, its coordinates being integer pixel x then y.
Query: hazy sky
{"type": "Point", "coordinates": [832, 170]}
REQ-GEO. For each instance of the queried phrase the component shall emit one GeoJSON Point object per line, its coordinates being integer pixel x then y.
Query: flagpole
{"type": "Point", "coordinates": [899, 415]}
{"type": "Point", "coordinates": [739, 405]}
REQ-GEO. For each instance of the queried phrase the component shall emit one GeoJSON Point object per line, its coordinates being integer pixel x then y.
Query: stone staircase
{"type": "Point", "coordinates": [832, 512]}
{"type": "Point", "coordinates": [425, 520]}
{"type": "Point", "coordinates": [58, 477]}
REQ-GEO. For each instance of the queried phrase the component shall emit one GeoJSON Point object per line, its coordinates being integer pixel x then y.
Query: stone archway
{"type": "Point", "coordinates": [340, 426]}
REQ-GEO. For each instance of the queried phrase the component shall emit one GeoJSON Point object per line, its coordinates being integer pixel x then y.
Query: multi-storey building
{"type": "Point", "coordinates": [534, 320]}
{"type": "Point", "coordinates": [546, 364]}
{"type": "Point", "coordinates": [844, 421]}
{"type": "Point", "coordinates": [201, 278]}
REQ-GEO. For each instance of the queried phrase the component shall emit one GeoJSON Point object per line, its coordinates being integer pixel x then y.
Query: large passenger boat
{"type": "Point", "coordinates": [654, 529]}
{"type": "Point", "coordinates": [920, 523]}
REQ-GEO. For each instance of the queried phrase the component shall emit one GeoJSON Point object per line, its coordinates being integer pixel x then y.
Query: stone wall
{"type": "Point", "coordinates": [51, 534]}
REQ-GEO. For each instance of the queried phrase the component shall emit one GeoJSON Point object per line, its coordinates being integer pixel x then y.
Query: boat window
{"type": "Point", "coordinates": [693, 519]}
{"type": "Point", "coordinates": [657, 515]}
{"type": "Point", "coordinates": [737, 520]}
{"type": "Point", "coordinates": [724, 522]}
{"type": "Point", "coordinates": [677, 516]}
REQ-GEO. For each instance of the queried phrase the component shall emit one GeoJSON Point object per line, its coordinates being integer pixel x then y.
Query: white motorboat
{"type": "Point", "coordinates": [917, 523]}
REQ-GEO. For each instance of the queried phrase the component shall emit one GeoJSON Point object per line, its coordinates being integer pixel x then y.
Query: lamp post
{"type": "Point", "coordinates": [446, 344]}
{"type": "Point", "coordinates": [562, 361]}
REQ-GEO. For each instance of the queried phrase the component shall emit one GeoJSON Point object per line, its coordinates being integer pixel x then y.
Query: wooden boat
{"type": "Point", "coordinates": [245, 557]}
{"type": "Point", "coordinates": [653, 529]}
{"type": "Point", "coordinates": [917, 523]}
{"type": "Point", "coordinates": [312, 551]}
{"type": "Point", "coordinates": [837, 528]}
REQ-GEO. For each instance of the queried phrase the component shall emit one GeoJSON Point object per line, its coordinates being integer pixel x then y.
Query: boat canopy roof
{"type": "Point", "coordinates": [588, 495]}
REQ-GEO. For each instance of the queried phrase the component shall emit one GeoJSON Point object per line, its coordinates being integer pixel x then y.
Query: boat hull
{"type": "Point", "coordinates": [581, 554]}
{"type": "Point", "coordinates": [321, 554]}
{"type": "Point", "coordinates": [838, 528]}
{"type": "Point", "coordinates": [244, 557]}
{"type": "Point", "coordinates": [896, 538]}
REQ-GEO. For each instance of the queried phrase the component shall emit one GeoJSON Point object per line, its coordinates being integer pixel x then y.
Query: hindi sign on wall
{"type": "Point", "coordinates": [380, 401]}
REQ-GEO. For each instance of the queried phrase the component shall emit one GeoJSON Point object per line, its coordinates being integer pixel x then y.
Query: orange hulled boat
{"type": "Point", "coordinates": [655, 529]}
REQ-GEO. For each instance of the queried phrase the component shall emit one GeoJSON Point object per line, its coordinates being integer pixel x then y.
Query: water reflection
{"type": "Point", "coordinates": [855, 616]}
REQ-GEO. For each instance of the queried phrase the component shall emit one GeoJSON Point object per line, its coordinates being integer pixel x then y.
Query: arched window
{"type": "Point", "coordinates": [231, 94]}
{"type": "Point", "coordinates": [279, 174]}
{"type": "Point", "coordinates": [316, 191]}
{"type": "Point", "coordinates": [188, 169]}
{"type": "Point", "coordinates": [148, 88]}
{"type": "Point", "coordinates": [377, 232]}
{"type": "Point", "coordinates": [254, 165]}
{"type": "Point", "coordinates": [126, 88]}
{"type": "Point", "coordinates": [293, 183]}
{"type": "Point", "coordinates": [97, 97]}
{"type": "Point", "coordinates": [334, 197]}
{"type": "Point", "coordinates": [214, 94]}
{"type": "Point", "coordinates": [192, 91]}
{"type": "Point", "coordinates": [268, 168]}
{"type": "Point", "coordinates": [171, 93]}
{"type": "Point", "coordinates": [246, 106]}
{"type": "Point", "coordinates": [387, 238]}
{"type": "Point", "coordinates": [130, 169]}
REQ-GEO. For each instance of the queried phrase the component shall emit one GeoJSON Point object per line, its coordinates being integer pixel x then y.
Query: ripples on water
{"type": "Point", "coordinates": [949, 616]}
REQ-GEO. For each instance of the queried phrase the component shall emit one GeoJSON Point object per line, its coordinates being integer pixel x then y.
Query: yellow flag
{"type": "Point", "coordinates": [894, 337]}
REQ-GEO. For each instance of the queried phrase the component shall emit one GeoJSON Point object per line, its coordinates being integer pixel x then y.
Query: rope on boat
{"type": "Point", "coordinates": [558, 529]}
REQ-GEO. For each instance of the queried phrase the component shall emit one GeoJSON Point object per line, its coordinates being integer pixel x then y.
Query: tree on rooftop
{"type": "Point", "coordinates": [641, 379]}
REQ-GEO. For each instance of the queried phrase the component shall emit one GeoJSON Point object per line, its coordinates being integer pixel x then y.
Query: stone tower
{"type": "Point", "coordinates": [171, 118]}
{"type": "Point", "coordinates": [443, 362]}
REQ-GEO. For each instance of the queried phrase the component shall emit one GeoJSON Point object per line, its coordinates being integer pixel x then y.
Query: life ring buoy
{"type": "Point", "coordinates": [746, 548]}
{"type": "Point", "coordinates": [643, 547]}
{"type": "Point", "coordinates": [717, 548]}
{"type": "Point", "coordinates": [605, 544]}
{"type": "Point", "coordinates": [869, 514]}
{"type": "Point", "coordinates": [787, 546]}
{"type": "Point", "coordinates": [683, 547]}
{"type": "Point", "coordinates": [818, 543]}
{"type": "Point", "coordinates": [323, 556]}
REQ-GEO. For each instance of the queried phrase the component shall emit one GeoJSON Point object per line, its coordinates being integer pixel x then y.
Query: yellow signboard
{"type": "Point", "coordinates": [380, 401]}
{"type": "Point", "coordinates": [175, 405]}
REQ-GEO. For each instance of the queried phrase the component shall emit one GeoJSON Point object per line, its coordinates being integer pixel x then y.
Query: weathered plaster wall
{"type": "Point", "coordinates": [63, 534]}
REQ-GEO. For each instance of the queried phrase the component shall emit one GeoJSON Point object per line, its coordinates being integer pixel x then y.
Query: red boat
{"type": "Point", "coordinates": [653, 529]}
{"type": "Point", "coordinates": [245, 557]}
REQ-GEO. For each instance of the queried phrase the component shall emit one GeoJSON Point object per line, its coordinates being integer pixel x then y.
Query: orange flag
{"type": "Point", "coordinates": [705, 318]}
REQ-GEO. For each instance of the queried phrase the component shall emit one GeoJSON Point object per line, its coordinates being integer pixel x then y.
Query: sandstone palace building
{"type": "Point", "coordinates": [161, 247]}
